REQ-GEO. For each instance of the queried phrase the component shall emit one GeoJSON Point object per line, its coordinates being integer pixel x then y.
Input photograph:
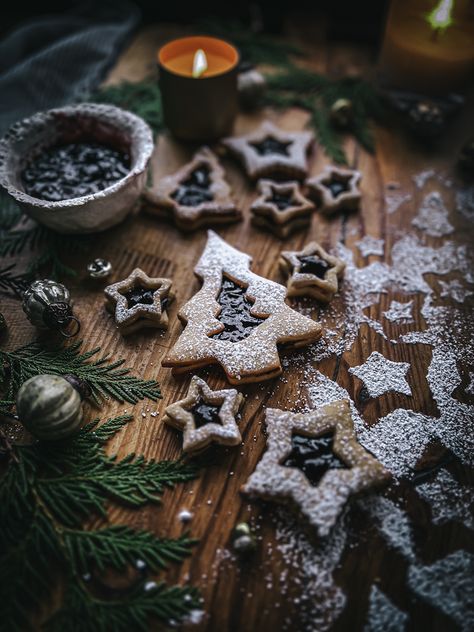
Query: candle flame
{"type": "Point", "coordinates": [440, 16]}
{"type": "Point", "coordinates": [199, 63]}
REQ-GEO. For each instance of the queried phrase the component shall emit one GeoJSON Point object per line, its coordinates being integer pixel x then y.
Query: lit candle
{"type": "Point", "coordinates": [428, 45]}
{"type": "Point", "coordinates": [198, 82]}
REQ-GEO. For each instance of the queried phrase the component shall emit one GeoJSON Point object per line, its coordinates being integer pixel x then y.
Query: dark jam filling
{"type": "Point", "coordinates": [235, 312]}
{"type": "Point", "coordinates": [205, 414]}
{"type": "Point", "coordinates": [337, 186]}
{"type": "Point", "coordinates": [271, 146]}
{"type": "Point", "coordinates": [312, 264]}
{"type": "Point", "coordinates": [74, 170]}
{"type": "Point", "coordinates": [143, 296]}
{"type": "Point", "coordinates": [195, 189]}
{"type": "Point", "coordinates": [282, 200]}
{"type": "Point", "coordinates": [313, 456]}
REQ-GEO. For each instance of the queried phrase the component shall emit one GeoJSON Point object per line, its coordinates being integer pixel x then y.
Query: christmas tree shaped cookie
{"type": "Point", "coordinates": [237, 319]}
{"type": "Point", "coordinates": [197, 195]}
{"type": "Point", "coordinates": [315, 461]}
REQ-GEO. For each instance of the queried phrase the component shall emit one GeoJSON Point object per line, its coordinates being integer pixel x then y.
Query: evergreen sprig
{"type": "Point", "coordinates": [49, 249]}
{"type": "Point", "coordinates": [105, 378]}
{"type": "Point", "coordinates": [11, 283]}
{"type": "Point", "coordinates": [142, 98]}
{"type": "Point", "coordinates": [42, 541]}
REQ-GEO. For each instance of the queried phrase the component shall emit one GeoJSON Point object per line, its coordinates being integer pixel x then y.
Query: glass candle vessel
{"type": "Point", "coordinates": [428, 46]}
{"type": "Point", "coordinates": [204, 107]}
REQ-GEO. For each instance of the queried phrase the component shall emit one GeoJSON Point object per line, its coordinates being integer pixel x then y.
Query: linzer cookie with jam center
{"type": "Point", "coordinates": [314, 461]}
{"type": "Point", "coordinates": [206, 416]}
{"type": "Point", "coordinates": [197, 195]}
{"type": "Point", "coordinates": [281, 208]}
{"type": "Point", "coordinates": [139, 301]}
{"type": "Point", "coordinates": [336, 189]}
{"type": "Point", "coordinates": [311, 272]}
{"type": "Point", "coordinates": [270, 152]}
{"type": "Point", "coordinates": [237, 319]}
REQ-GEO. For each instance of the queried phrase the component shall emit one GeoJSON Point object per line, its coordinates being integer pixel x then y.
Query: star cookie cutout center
{"type": "Point", "coordinates": [206, 416]}
{"type": "Point", "coordinates": [381, 375]}
{"type": "Point", "coordinates": [311, 272]}
{"type": "Point", "coordinates": [270, 146]}
{"type": "Point", "coordinates": [341, 466]}
{"type": "Point", "coordinates": [139, 297]}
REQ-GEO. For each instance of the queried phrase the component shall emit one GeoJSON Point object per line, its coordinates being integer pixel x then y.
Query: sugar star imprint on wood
{"type": "Point", "coordinates": [237, 319]}
{"type": "Point", "coordinates": [370, 246]}
{"type": "Point", "coordinates": [205, 416]}
{"type": "Point", "coordinates": [380, 375]}
{"type": "Point", "coordinates": [336, 189]}
{"type": "Point", "coordinates": [448, 499]}
{"type": "Point", "coordinates": [400, 313]}
{"type": "Point", "coordinates": [321, 476]}
{"type": "Point", "coordinates": [196, 195]}
{"type": "Point", "coordinates": [139, 301]}
{"type": "Point", "coordinates": [311, 272]}
{"type": "Point", "coordinates": [272, 152]}
{"type": "Point", "coordinates": [454, 289]}
{"type": "Point", "coordinates": [281, 208]}
{"type": "Point", "coordinates": [432, 216]}
{"type": "Point", "coordinates": [383, 615]}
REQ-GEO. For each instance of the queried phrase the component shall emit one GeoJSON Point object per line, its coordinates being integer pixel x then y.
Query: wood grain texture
{"type": "Point", "coordinates": [263, 592]}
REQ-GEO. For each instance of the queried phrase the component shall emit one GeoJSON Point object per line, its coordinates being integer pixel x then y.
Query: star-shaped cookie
{"type": "Point", "coordinates": [281, 207]}
{"type": "Point", "coordinates": [197, 195]}
{"type": "Point", "coordinates": [336, 189]}
{"type": "Point", "coordinates": [315, 461]}
{"type": "Point", "coordinates": [311, 272]}
{"type": "Point", "coordinates": [270, 152]}
{"type": "Point", "coordinates": [139, 301]}
{"type": "Point", "coordinates": [205, 415]}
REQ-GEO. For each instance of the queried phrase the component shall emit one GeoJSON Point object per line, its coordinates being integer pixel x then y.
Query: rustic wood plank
{"type": "Point", "coordinates": [265, 592]}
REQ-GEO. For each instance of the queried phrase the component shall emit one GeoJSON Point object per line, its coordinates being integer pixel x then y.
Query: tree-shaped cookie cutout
{"type": "Point", "coordinates": [237, 319]}
{"type": "Point", "coordinates": [196, 195]}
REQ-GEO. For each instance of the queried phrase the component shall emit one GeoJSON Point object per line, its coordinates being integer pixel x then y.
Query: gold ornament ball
{"type": "Point", "coordinates": [49, 407]}
{"type": "Point", "coordinates": [342, 113]}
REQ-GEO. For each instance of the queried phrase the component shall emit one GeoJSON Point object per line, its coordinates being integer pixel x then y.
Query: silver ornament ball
{"type": "Point", "coordinates": [99, 268]}
{"type": "Point", "coordinates": [46, 304]}
{"type": "Point", "coordinates": [49, 407]}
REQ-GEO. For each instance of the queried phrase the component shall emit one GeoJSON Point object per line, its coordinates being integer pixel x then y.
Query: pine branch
{"type": "Point", "coordinates": [10, 212]}
{"type": "Point", "coordinates": [41, 538]}
{"type": "Point", "coordinates": [106, 379]}
{"type": "Point", "coordinates": [143, 98]}
{"type": "Point", "coordinates": [13, 284]}
{"type": "Point", "coordinates": [82, 613]}
{"type": "Point", "coordinates": [118, 546]}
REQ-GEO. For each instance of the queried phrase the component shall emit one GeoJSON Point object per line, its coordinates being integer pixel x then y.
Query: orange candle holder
{"type": "Point", "coordinates": [428, 46]}
{"type": "Point", "coordinates": [198, 108]}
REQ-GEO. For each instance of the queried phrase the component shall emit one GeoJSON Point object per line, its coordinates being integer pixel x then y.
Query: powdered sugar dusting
{"type": "Point", "coordinates": [447, 584]}
{"type": "Point", "coordinates": [400, 313]}
{"type": "Point", "coordinates": [381, 375]}
{"type": "Point", "coordinates": [370, 246]}
{"type": "Point", "coordinates": [448, 499]}
{"type": "Point", "coordinates": [383, 616]}
{"type": "Point", "coordinates": [432, 216]}
{"type": "Point", "coordinates": [321, 601]}
{"type": "Point", "coordinates": [393, 524]}
{"type": "Point", "coordinates": [394, 200]}
{"type": "Point", "coordinates": [465, 202]}
{"type": "Point", "coordinates": [455, 289]}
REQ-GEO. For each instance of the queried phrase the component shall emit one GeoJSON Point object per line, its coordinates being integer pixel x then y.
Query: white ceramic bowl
{"type": "Point", "coordinates": [86, 122]}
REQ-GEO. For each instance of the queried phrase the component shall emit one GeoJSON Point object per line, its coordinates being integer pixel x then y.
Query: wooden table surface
{"type": "Point", "coordinates": [292, 582]}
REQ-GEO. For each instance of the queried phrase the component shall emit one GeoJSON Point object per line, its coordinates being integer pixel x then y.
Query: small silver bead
{"type": "Point", "coordinates": [99, 268]}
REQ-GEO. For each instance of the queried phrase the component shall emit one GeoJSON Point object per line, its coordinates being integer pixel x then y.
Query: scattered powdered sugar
{"type": "Point", "coordinates": [395, 200]}
{"type": "Point", "coordinates": [398, 440]}
{"type": "Point", "coordinates": [383, 616]}
{"type": "Point", "coordinates": [421, 178]}
{"type": "Point", "coordinates": [454, 289]}
{"type": "Point", "coordinates": [470, 386]}
{"type": "Point", "coordinates": [448, 499]}
{"type": "Point", "coordinates": [432, 216]}
{"type": "Point", "coordinates": [321, 601]}
{"type": "Point", "coordinates": [400, 313]}
{"type": "Point", "coordinates": [381, 375]}
{"type": "Point", "coordinates": [370, 246]}
{"type": "Point", "coordinates": [447, 584]}
{"type": "Point", "coordinates": [393, 524]}
{"type": "Point", "coordinates": [465, 202]}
